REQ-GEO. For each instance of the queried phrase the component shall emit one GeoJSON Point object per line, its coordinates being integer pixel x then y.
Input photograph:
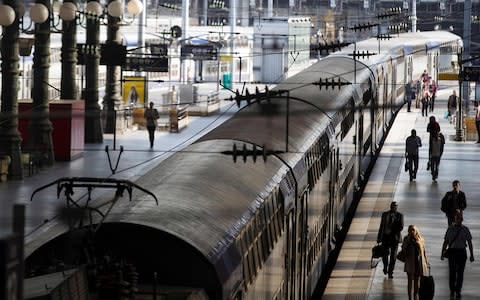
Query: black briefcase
{"type": "Point", "coordinates": [378, 251]}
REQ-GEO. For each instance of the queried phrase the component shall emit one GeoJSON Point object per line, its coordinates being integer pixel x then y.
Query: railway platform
{"type": "Point", "coordinates": [419, 201]}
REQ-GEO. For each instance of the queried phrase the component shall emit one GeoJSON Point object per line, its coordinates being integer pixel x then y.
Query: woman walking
{"type": "Point", "coordinates": [416, 262]}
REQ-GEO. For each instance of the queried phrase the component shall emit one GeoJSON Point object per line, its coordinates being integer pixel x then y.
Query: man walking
{"type": "Point", "coordinates": [408, 95]}
{"type": "Point", "coordinates": [435, 152]}
{"type": "Point", "coordinates": [452, 106]}
{"type": "Point", "coordinates": [389, 235]}
{"type": "Point", "coordinates": [452, 201]}
{"type": "Point", "coordinates": [412, 143]}
{"type": "Point", "coordinates": [457, 237]}
{"type": "Point", "coordinates": [151, 116]}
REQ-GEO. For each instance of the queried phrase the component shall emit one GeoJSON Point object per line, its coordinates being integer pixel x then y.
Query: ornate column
{"type": "Point", "coordinates": [40, 129]}
{"type": "Point", "coordinates": [10, 139]}
{"type": "Point", "coordinates": [93, 124]}
{"type": "Point", "coordinates": [112, 101]}
{"type": "Point", "coordinates": [68, 83]}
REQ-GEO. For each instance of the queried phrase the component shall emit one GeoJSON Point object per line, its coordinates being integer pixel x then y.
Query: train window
{"type": "Point", "coordinates": [259, 255]}
{"type": "Point", "coordinates": [248, 234]}
{"type": "Point", "coordinates": [252, 264]}
{"type": "Point", "coordinates": [243, 243]}
{"type": "Point", "coordinates": [267, 246]}
{"type": "Point", "coordinates": [251, 269]}
{"type": "Point", "coordinates": [269, 222]}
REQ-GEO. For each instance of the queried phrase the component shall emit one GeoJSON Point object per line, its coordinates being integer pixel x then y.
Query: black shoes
{"type": "Point", "coordinates": [390, 275]}
{"type": "Point", "coordinates": [458, 295]}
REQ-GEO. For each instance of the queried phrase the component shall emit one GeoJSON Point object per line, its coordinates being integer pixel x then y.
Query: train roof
{"type": "Point", "coordinates": [407, 42]}
{"type": "Point", "coordinates": [204, 198]}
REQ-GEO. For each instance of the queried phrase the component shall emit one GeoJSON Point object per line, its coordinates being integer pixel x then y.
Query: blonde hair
{"type": "Point", "coordinates": [416, 234]}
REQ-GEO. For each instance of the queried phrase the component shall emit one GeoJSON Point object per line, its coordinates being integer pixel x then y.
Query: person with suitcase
{"type": "Point", "coordinates": [456, 238]}
{"type": "Point", "coordinates": [416, 262]}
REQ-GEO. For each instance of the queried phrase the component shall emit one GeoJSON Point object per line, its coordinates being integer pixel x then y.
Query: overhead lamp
{"type": "Point", "coordinates": [94, 8]}
{"type": "Point", "coordinates": [7, 15]}
{"type": "Point", "coordinates": [39, 13]}
{"type": "Point", "coordinates": [69, 11]}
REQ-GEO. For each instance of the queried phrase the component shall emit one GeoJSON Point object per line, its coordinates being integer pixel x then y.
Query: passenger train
{"type": "Point", "coordinates": [265, 228]}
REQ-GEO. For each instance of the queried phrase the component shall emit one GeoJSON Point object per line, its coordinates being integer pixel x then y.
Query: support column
{"type": "Point", "coordinates": [68, 83]}
{"type": "Point", "coordinates": [10, 139]}
{"type": "Point", "coordinates": [112, 102]}
{"type": "Point", "coordinates": [93, 124]}
{"type": "Point", "coordinates": [40, 129]}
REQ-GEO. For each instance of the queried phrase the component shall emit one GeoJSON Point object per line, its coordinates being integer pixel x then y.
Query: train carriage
{"type": "Point", "coordinates": [244, 228]}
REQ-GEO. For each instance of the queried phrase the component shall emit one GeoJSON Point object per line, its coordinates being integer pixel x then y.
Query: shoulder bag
{"type": "Point", "coordinates": [446, 253]}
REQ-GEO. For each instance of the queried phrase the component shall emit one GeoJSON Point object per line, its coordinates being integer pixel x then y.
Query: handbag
{"type": "Point", "coordinates": [402, 255]}
{"type": "Point", "coordinates": [407, 166]}
{"type": "Point", "coordinates": [446, 115]}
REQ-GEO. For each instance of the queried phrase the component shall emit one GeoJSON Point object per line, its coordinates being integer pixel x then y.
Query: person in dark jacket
{"type": "Point", "coordinates": [389, 235]}
{"type": "Point", "coordinates": [436, 150]}
{"type": "Point", "coordinates": [457, 237]}
{"type": "Point", "coordinates": [412, 143]}
{"type": "Point", "coordinates": [408, 95]}
{"type": "Point", "coordinates": [433, 128]}
{"type": "Point", "coordinates": [452, 201]}
{"type": "Point", "coordinates": [151, 116]}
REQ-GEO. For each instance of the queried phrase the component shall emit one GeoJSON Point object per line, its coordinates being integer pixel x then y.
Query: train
{"type": "Point", "coordinates": [254, 208]}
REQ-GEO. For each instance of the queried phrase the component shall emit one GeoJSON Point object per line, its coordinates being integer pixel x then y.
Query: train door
{"type": "Point", "coordinates": [290, 255]}
{"type": "Point", "coordinates": [302, 210]}
{"type": "Point", "coordinates": [379, 104]}
{"type": "Point", "coordinates": [332, 201]}
{"type": "Point", "coordinates": [410, 68]}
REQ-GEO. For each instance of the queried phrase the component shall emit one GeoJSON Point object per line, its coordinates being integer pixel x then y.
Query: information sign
{"type": "Point", "coordinates": [147, 64]}
{"type": "Point", "coordinates": [199, 52]}
{"type": "Point", "coordinates": [471, 73]}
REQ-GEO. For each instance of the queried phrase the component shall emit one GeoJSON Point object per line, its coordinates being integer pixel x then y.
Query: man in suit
{"type": "Point", "coordinates": [389, 235]}
{"type": "Point", "coordinates": [452, 201]}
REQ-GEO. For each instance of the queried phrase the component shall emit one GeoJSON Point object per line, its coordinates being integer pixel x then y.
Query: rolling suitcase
{"type": "Point", "coordinates": [426, 290]}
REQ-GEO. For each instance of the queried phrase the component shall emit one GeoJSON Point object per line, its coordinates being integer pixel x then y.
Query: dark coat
{"type": "Point", "coordinates": [450, 203]}
{"type": "Point", "coordinates": [395, 230]}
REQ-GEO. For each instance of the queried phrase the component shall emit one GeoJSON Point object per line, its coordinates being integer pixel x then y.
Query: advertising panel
{"type": "Point", "coordinates": [134, 90]}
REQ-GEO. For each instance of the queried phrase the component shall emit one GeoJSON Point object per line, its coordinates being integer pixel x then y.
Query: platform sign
{"type": "Point", "coordinates": [146, 64]}
{"type": "Point", "coordinates": [9, 279]}
{"type": "Point", "coordinates": [471, 73]}
{"type": "Point", "coordinates": [199, 52]}
{"type": "Point", "coordinates": [134, 90]}
{"type": "Point", "coordinates": [110, 54]}
{"type": "Point", "coordinates": [158, 49]}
